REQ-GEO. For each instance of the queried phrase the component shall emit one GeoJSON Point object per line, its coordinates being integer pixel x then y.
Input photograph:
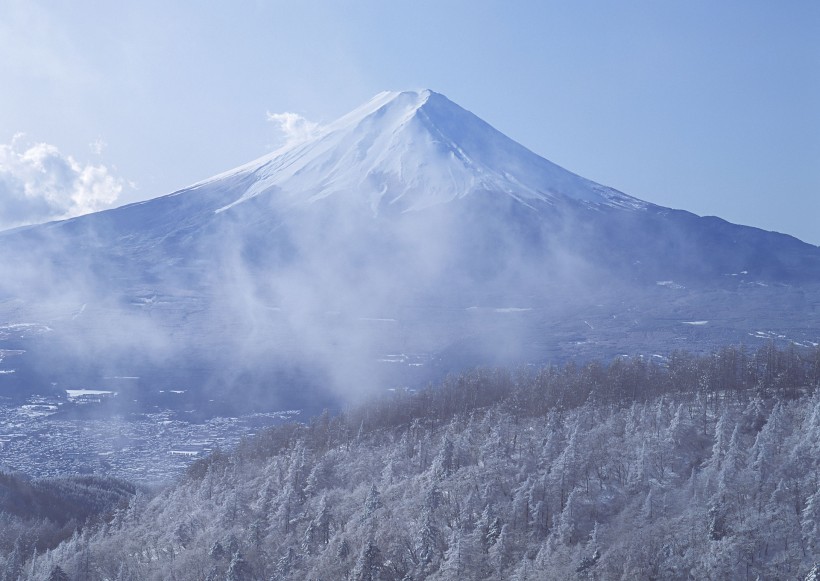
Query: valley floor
{"type": "Point", "coordinates": [148, 448]}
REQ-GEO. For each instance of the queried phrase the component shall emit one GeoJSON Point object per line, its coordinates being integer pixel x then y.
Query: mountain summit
{"type": "Point", "coordinates": [405, 240]}
{"type": "Point", "coordinates": [412, 150]}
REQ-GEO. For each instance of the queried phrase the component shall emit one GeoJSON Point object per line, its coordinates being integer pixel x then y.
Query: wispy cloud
{"type": "Point", "coordinates": [38, 183]}
{"type": "Point", "coordinates": [293, 127]}
{"type": "Point", "coordinates": [97, 146]}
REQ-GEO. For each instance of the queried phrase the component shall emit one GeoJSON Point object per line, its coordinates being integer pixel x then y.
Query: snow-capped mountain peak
{"type": "Point", "coordinates": [404, 240]}
{"type": "Point", "coordinates": [411, 150]}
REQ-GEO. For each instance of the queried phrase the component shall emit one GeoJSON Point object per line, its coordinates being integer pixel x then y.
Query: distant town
{"type": "Point", "coordinates": [41, 440]}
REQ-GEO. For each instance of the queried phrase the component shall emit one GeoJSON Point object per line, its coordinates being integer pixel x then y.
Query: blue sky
{"type": "Point", "coordinates": [713, 107]}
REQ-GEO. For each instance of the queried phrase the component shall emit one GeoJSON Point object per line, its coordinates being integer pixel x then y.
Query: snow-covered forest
{"type": "Point", "coordinates": [688, 467]}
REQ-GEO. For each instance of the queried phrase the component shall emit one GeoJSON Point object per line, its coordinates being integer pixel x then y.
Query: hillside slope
{"type": "Point", "coordinates": [704, 468]}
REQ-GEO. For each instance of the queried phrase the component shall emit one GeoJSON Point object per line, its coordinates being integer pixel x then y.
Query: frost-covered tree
{"type": "Point", "coordinates": [57, 574]}
{"type": "Point", "coordinates": [372, 502]}
{"type": "Point", "coordinates": [369, 564]}
{"type": "Point", "coordinates": [238, 569]}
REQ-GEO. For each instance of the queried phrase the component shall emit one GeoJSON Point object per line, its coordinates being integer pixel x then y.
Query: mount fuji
{"type": "Point", "coordinates": [405, 240]}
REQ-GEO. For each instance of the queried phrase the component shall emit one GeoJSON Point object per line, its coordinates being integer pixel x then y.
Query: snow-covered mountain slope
{"type": "Point", "coordinates": [413, 150]}
{"type": "Point", "coordinates": [404, 240]}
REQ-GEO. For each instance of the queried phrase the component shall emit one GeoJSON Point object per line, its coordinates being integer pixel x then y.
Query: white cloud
{"type": "Point", "coordinates": [293, 127]}
{"type": "Point", "coordinates": [97, 146]}
{"type": "Point", "coordinates": [38, 183]}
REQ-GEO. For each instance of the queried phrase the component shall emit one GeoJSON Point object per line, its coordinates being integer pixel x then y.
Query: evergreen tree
{"type": "Point", "coordinates": [239, 570]}
{"type": "Point", "coordinates": [456, 560]}
{"type": "Point", "coordinates": [591, 554]}
{"type": "Point", "coordinates": [372, 502]}
{"type": "Point", "coordinates": [14, 563]}
{"type": "Point", "coordinates": [810, 523]}
{"type": "Point", "coordinates": [217, 551]}
{"type": "Point", "coordinates": [285, 565]}
{"type": "Point", "coordinates": [501, 553]}
{"type": "Point", "coordinates": [369, 564]}
{"type": "Point", "coordinates": [429, 544]}
{"type": "Point", "coordinates": [57, 574]}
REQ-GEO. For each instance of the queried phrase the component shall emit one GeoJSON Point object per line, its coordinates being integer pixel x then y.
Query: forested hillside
{"type": "Point", "coordinates": [36, 515]}
{"type": "Point", "coordinates": [686, 468]}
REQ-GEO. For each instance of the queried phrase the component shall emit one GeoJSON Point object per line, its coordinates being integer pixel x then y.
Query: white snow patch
{"type": "Point", "coordinates": [669, 284]}
{"type": "Point", "coordinates": [184, 452]}
{"type": "Point", "coordinates": [10, 353]}
{"type": "Point", "coordinates": [37, 327]}
{"type": "Point", "coordinates": [75, 393]}
{"type": "Point", "coordinates": [767, 335]}
{"type": "Point", "coordinates": [80, 312]}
